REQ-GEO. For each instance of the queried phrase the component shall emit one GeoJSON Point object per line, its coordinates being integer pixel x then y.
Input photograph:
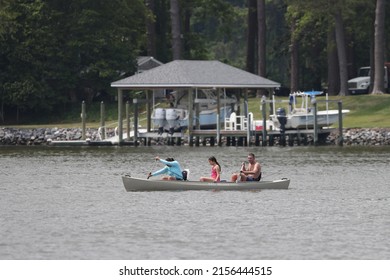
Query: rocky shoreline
{"type": "Point", "coordinates": [43, 136]}
{"type": "Point", "coordinates": [363, 137]}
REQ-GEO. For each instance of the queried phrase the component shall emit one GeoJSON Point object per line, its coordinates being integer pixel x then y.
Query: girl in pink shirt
{"type": "Point", "coordinates": [215, 171]}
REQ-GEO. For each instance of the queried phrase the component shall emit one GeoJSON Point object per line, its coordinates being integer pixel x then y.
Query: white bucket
{"type": "Point", "coordinates": [258, 125]}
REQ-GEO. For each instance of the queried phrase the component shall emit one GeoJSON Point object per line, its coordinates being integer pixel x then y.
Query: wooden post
{"type": "Point", "coordinates": [340, 138]}
{"type": "Point", "coordinates": [190, 117]}
{"type": "Point", "coordinates": [197, 121]}
{"type": "Point", "coordinates": [246, 102]}
{"type": "Point", "coordinates": [102, 120]}
{"type": "Point", "coordinates": [249, 128]}
{"type": "Point", "coordinates": [120, 116]}
{"type": "Point", "coordinates": [315, 123]}
{"type": "Point", "coordinates": [135, 102]}
{"type": "Point", "coordinates": [197, 112]}
{"type": "Point", "coordinates": [83, 120]}
{"type": "Point", "coordinates": [218, 131]}
{"type": "Point", "coordinates": [128, 120]}
{"type": "Point", "coordinates": [149, 110]}
{"type": "Point", "coordinates": [218, 104]}
{"type": "Point", "coordinates": [264, 113]}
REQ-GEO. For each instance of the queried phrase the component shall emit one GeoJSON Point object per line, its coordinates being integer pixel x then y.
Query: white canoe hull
{"type": "Point", "coordinates": [137, 184]}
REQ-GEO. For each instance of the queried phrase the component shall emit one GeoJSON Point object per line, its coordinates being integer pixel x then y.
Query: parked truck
{"type": "Point", "coordinates": [361, 84]}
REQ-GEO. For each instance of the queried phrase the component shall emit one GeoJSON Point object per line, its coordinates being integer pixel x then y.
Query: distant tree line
{"type": "Point", "coordinates": [54, 52]}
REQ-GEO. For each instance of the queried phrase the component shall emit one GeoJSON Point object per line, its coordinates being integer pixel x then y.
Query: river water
{"type": "Point", "coordinates": [69, 203]}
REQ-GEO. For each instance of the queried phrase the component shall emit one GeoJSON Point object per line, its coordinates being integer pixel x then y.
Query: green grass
{"type": "Point", "coordinates": [366, 111]}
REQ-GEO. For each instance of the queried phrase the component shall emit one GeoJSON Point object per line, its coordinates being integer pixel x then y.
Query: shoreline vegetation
{"type": "Point", "coordinates": [368, 123]}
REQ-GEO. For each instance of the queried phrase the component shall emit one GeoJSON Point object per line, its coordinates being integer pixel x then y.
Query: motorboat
{"type": "Point", "coordinates": [303, 117]}
{"type": "Point", "coordinates": [177, 118]}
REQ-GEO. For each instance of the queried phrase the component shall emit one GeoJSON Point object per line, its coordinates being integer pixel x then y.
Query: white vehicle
{"type": "Point", "coordinates": [361, 84]}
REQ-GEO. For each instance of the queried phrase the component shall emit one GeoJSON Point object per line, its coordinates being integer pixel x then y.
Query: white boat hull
{"type": "Point", "coordinates": [306, 120]}
{"type": "Point", "coordinates": [179, 118]}
{"type": "Point", "coordinates": [133, 184]}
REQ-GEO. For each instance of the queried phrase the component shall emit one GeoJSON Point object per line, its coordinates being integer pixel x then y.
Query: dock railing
{"type": "Point", "coordinates": [126, 122]}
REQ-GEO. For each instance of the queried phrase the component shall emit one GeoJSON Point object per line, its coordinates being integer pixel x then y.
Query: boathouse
{"type": "Point", "coordinates": [188, 76]}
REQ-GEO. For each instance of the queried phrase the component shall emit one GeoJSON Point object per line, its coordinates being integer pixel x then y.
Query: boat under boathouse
{"type": "Point", "coordinates": [187, 77]}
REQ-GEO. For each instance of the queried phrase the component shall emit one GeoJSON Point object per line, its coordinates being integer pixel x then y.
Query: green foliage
{"type": "Point", "coordinates": [53, 51]}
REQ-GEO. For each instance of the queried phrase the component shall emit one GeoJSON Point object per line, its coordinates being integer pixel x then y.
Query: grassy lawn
{"type": "Point", "coordinates": [366, 111]}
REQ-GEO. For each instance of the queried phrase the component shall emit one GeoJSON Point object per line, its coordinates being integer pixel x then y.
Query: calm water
{"type": "Point", "coordinates": [69, 203]}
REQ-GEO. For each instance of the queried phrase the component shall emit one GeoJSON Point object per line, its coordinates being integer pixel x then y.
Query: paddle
{"type": "Point", "coordinates": [154, 167]}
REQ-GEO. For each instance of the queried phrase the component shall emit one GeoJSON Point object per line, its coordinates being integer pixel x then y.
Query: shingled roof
{"type": "Point", "coordinates": [195, 74]}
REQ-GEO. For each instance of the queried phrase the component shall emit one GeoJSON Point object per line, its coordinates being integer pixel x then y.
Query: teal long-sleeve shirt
{"type": "Point", "coordinates": [172, 168]}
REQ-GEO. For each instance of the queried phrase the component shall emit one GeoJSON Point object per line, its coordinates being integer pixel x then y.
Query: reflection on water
{"type": "Point", "coordinates": [69, 203]}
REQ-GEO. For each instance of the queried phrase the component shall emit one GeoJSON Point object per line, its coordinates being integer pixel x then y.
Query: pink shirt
{"type": "Point", "coordinates": [214, 174]}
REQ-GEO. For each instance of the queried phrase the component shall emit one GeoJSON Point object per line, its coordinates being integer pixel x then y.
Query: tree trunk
{"type": "Point", "coordinates": [341, 52]}
{"type": "Point", "coordinates": [151, 30]}
{"type": "Point", "coordinates": [333, 68]}
{"type": "Point", "coordinates": [294, 53]}
{"type": "Point", "coordinates": [251, 39]}
{"type": "Point", "coordinates": [261, 39]}
{"type": "Point", "coordinates": [187, 30]}
{"type": "Point", "coordinates": [261, 43]}
{"type": "Point", "coordinates": [379, 53]}
{"type": "Point", "coordinates": [176, 30]}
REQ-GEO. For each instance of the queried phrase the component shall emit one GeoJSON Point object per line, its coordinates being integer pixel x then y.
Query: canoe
{"type": "Point", "coordinates": [133, 184]}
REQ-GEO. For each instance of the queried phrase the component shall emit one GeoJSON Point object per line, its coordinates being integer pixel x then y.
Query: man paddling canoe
{"type": "Point", "coordinates": [252, 172]}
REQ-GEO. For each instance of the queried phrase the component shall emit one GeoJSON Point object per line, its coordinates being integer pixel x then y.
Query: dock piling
{"type": "Point", "coordinates": [264, 113]}
{"type": "Point", "coordinates": [135, 102]}
{"type": "Point", "coordinates": [102, 120]}
{"type": "Point", "coordinates": [83, 119]}
{"type": "Point", "coordinates": [340, 138]}
{"type": "Point", "coordinates": [315, 123]}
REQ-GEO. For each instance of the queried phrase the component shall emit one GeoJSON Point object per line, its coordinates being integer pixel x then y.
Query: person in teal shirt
{"type": "Point", "coordinates": [172, 169]}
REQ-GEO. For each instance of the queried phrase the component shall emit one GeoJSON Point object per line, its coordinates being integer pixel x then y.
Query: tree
{"type": "Point", "coordinates": [294, 60]}
{"type": "Point", "coordinates": [261, 38]}
{"type": "Point", "coordinates": [251, 37]}
{"type": "Point", "coordinates": [54, 49]}
{"type": "Point", "coordinates": [379, 57]}
{"type": "Point", "coordinates": [341, 53]}
{"type": "Point", "coordinates": [176, 30]}
{"type": "Point", "coordinates": [333, 67]}
{"type": "Point", "coordinates": [292, 16]}
{"type": "Point", "coordinates": [151, 29]}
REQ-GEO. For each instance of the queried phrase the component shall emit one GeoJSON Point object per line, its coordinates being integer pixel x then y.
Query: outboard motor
{"type": "Point", "coordinates": [160, 130]}
{"type": "Point", "coordinates": [282, 118]}
{"type": "Point", "coordinates": [172, 119]}
{"type": "Point", "coordinates": [159, 119]}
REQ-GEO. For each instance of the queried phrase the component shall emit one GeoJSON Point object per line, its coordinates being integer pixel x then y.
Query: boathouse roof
{"type": "Point", "coordinates": [194, 74]}
{"type": "Point", "coordinates": [145, 63]}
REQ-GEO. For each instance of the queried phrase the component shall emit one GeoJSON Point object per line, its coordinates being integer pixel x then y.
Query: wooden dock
{"type": "Point", "coordinates": [211, 137]}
